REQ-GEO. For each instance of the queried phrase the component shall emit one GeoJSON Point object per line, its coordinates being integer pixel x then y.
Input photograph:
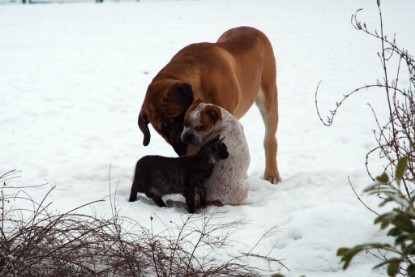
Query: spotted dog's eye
{"type": "Point", "coordinates": [198, 128]}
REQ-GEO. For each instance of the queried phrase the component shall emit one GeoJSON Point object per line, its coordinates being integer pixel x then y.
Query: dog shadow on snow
{"type": "Point", "coordinates": [260, 192]}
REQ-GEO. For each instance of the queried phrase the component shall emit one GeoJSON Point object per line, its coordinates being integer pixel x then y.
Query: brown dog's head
{"type": "Point", "coordinates": [202, 122]}
{"type": "Point", "coordinates": [164, 107]}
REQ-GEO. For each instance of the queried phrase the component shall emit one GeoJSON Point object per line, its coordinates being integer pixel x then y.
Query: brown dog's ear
{"type": "Point", "coordinates": [143, 124]}
{"type": "Point", "coordinates": [183, 95]}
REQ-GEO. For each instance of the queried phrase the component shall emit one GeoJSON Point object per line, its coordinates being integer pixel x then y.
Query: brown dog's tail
{"type": "Point", "coordinates": [143, 124]}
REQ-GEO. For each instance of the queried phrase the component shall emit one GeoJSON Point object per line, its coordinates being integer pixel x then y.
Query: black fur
{"type": "Point", "coordinates": [157, 176]}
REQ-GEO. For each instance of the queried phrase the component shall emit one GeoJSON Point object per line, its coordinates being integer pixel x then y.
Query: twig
{"type": "Point", "coordinates": [360, 199]}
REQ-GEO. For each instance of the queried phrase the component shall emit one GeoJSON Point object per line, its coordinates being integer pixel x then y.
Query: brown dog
{"type": "Point", "coordinates": [233, 73]}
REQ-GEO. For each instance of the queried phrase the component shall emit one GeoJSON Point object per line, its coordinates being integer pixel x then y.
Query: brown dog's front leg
{"type": "Point", "coordinates": [271, 173]}
{"type": "Point", "coordinates": [268, 106]}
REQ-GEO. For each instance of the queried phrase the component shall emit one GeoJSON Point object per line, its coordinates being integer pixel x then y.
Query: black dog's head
{"type": "Point", "coordinates": [164, 107]}
{"type": "Point", "coordinates": [216, 148]}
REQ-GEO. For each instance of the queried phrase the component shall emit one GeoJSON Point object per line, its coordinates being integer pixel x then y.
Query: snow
{"type": "Point", "coordinates": [73, 77]}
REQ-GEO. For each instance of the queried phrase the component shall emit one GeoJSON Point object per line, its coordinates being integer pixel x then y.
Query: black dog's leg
{"type": "Point", "coordinates": [202, 194]}
{"type": "Point", "coordinates": [189, 194]}
{"type": "Point", "coordinates": [133, 194]}
{"type": "Point", "coordinates": [157, 199]}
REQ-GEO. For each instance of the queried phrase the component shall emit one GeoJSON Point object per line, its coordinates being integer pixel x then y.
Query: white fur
{"type": "Point", "coordinates": [228, 183]}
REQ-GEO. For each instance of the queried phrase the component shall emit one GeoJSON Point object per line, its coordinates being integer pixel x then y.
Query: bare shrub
{"type": "Point", "coordinates": [396, 137]}
{"type": "Point", "coordinates": [37, 242]}
{"type": "Point", "coordinates": [396, 146]}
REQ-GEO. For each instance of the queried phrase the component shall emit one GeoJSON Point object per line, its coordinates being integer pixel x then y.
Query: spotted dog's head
{"type": "Point", "coordinates": [164, 107]}
{"type": "Point", "coordinates": [201, 123]}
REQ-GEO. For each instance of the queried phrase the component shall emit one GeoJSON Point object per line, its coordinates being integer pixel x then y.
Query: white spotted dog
{"type": "Point", "coordinates": [228, 184]}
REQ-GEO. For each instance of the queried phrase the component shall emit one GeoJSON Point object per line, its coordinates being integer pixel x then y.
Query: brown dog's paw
{"type": "Point", "coordinates": [272, 178]}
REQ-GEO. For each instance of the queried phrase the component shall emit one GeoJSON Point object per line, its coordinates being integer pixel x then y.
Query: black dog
{"type": "Point", "coordinates": [157, 176]}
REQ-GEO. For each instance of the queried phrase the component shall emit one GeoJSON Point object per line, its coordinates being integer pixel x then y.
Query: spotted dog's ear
{"type": "Point", "coordinates": [213, 112]}
{"type": "Point", "coordinates": [143, 124]}
{"type": "Point", "coordinates": [209, 116]}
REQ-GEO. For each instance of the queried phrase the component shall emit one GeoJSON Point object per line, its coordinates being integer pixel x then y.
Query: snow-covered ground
{"type": "Point", "coordinates": [73, 77]}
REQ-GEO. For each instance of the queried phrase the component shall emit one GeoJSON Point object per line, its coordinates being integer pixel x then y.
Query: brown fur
{"type": "Point", "coordinates": [209, 117]}
{"type": "Point", "coordinates": [233, 73]}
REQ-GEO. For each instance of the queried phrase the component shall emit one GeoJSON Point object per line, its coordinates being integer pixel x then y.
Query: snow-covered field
{"type": "Point", "coordinates": [73, 77]}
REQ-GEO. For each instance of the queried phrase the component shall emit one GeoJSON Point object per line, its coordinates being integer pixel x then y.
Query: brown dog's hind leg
{"type": "Point", "coordinates": [267, 102]}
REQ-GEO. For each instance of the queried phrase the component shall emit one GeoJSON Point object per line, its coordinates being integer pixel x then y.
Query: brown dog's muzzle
{"type": "Point", "coordinates": [171, 133]}
{"type": "Point", "coordinates": [179, 147]}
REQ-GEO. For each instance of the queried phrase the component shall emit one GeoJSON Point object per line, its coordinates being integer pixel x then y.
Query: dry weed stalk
{"type": "Point", "coordinates": [37, 242]}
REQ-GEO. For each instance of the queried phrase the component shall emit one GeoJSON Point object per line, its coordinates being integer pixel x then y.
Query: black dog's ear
{"type": "Point", "coordinates": [213, 141]}
{"type": "Point", "coordinates": [220, 139]}
{"type": "Point", "coordinates": [143, 124]}
{"type": "Point", "coordinates": [183, 94]}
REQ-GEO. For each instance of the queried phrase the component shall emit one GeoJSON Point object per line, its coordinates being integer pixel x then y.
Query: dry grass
{"type": "Point", "coordinates": [36, 242]}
